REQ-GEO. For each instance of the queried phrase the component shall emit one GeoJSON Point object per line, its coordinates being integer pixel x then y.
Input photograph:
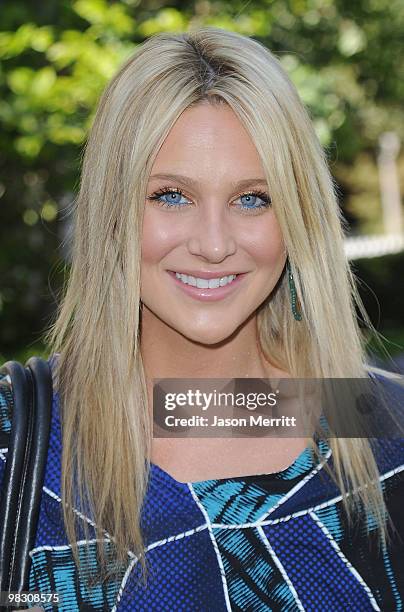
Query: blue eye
{"type": "Point", "coordinates": [174, 197]}
{"type": "Point", "coordinates": [251, 200]}
{"type": "Point", "coordinates": [169, 197]}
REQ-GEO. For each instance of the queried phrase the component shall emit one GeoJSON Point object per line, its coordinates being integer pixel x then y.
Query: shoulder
{"type": "Point", "coordinates": [389, 449]}
{"type": "Point", "coordinates": [392, 386]}
{"type": "Point", "coordinates": [392, 382]}
{"type": "Point", "coordinates": [7, 398]}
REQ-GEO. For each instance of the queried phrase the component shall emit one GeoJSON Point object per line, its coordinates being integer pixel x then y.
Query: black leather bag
{"type": "Point", "coordinates": [21, 488]}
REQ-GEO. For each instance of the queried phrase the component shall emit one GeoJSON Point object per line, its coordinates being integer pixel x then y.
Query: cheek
{"type": "Point", "coordinates": [265, 245]}
{"type": "Point", "coordinates": [158, 237]}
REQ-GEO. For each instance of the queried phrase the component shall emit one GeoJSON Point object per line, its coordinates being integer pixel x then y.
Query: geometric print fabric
{"type": "Point", "coordinates": [251, 544]}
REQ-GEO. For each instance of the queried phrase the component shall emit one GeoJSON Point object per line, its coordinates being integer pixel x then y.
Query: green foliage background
{"type": "Point", "coordinates": [55, 58]}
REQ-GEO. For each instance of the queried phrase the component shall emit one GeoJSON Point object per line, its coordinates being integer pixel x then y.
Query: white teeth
{"type": "Point", "coordinates": [204, 283]}
{"type": "Point", "coordinates": [214, 283]}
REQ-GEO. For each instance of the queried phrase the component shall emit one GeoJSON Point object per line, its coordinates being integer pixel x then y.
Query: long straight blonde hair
{"type": "Point", "coordinates": [106, 424]}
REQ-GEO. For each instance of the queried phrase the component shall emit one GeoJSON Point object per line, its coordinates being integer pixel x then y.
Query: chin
{"type": "Point", "coordinates": [207, 336]}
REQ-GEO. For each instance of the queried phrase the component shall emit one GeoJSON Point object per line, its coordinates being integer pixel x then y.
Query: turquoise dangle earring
{"type": "Point", "coordinates": [292, 288]}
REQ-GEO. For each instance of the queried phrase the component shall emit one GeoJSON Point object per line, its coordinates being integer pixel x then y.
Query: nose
{"type": "Point", "coordinates": [212, 237]}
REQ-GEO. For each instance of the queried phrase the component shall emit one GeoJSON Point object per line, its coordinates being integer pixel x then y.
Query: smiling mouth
{"type": "Point", "coordinates": [204, 283]}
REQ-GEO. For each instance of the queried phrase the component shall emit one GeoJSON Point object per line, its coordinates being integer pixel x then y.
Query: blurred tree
{"type": "Point", "coordinates": [344, 57]}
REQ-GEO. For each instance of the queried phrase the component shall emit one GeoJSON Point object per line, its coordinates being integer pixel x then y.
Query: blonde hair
{"type": "Point", "coordinates": [106, 423]}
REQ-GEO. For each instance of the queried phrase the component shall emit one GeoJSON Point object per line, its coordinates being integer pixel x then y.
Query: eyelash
{"type": "Point", "coordinates": [157, 195]}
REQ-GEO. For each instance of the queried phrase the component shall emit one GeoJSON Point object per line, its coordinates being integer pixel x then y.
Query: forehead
{"type": "Point", "coordinates": [209, 139]}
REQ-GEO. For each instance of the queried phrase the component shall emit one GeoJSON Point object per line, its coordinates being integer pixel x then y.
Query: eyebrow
{"type": "Point", "coordinates": [186, 180]}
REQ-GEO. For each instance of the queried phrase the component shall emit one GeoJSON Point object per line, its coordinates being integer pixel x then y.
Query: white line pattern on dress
{"type": "Point", "coordinates": [280, 568]}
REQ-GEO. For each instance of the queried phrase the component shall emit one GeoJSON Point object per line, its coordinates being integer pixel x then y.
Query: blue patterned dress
{"type": "Point", "coordinates": [256, 543]}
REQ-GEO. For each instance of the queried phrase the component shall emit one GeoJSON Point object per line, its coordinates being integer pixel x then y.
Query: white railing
{"type": "Point", "coordinates": [357, 247]}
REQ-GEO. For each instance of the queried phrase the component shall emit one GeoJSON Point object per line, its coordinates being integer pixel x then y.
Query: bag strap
{"type": "Point", "coordinates": [25, 469]}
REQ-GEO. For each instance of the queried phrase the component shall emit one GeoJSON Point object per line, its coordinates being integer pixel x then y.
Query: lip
{"type": "Point", "coordinates": [207, 275]}
{"type": "Point", "coordinates": [206, 294]}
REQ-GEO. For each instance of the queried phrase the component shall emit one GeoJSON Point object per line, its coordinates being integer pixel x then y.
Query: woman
{"type": "Point", "coordinates": [208, 244]}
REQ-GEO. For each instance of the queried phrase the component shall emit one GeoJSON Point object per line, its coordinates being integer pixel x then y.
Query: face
{"type": "Point", "coordinates": [212, 249]}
